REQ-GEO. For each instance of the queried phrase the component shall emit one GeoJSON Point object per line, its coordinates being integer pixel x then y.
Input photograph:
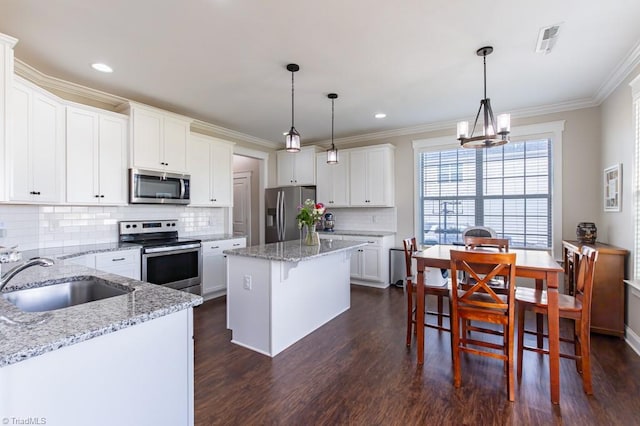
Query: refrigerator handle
{"type": "Point", "coordinates": [278, 217]}
{"type": "Point", "coordinates": [282, 217]}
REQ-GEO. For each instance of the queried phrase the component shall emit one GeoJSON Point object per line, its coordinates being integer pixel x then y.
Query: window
{"type": "Point", "coordinates": [514, 189]}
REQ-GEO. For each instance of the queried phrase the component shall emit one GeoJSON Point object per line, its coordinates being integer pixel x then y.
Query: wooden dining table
{"type": "Point", "coordinates": [536, 264]}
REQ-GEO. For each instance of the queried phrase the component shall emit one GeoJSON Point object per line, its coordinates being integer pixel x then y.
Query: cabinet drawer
{"type": "Point", "coordinates": [214, 247]}
{"type": "Point", "coordinates": [110, 260]}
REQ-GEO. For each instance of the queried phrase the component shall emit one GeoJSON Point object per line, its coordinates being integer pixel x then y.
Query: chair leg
{"type": "Point", "coordinates": [439, 311]}
{"type": "Point", "coordinates": [577, 346]}
{"type": "Point", "coordinates": [409, 314]}
{"type": "Point", "coordinates": [520, 310]}
{"type": "Point", "coordinates": [508, 331]}
{"type": "Point", "coordinates": [455, 349]}
{"type": "Point", "coordinates": [585, 344]}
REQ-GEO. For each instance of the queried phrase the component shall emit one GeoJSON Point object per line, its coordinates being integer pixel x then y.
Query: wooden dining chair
{"type": "Point", "coordinates": [480, 302]}
{"type": "Point", "coordinates": [577, 308]}
{"type": "Point", "coordinates": [439, 290]}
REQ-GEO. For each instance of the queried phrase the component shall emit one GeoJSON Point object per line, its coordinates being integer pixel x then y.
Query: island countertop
{"type": "Point", "coordinates": [295, 250]}
{"type": "Point", "coordinates": [24, 334]}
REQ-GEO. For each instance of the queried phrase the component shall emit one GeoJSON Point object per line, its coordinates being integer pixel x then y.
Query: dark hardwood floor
{"type": "Point", "coordinates": [357, 370]}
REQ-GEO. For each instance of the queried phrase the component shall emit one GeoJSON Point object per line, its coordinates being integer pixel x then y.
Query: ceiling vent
{"type": "Point", "coordinates": [547, 38]}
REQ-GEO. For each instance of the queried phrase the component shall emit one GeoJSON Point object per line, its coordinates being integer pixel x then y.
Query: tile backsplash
{"type": "Point", "coordinates": [38, 226]}
{"type": "Point", "coordinates": [365, 219]}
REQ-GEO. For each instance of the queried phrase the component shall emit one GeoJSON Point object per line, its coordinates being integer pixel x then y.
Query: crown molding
{"type": "Point", "coordinates": [619, 73]}
{"type": "Point", "coordinates": [48, 82]}
{"type": "Point", "coordinates": [204, 127]}
{"type": "Point", "coordinates": [8, 40]}
{"type": "Point", "coordinates": [446, 125]}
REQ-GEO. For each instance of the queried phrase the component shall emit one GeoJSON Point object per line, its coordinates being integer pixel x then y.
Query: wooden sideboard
{"type": "Point", "coordinates": [607, 306]}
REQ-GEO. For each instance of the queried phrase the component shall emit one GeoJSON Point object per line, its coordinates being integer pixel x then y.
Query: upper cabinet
{"type": "Point", "coordinates": [297, 168]}
{"type": "Point", "coordinates": [210, 163]}
{"type": "Point", "coordinates": [6, 87]}
{"type": "Point", "coordinates": [371, 176]}
{"type": "Point", "coordinates": [158, 139]}
{"type": "Point", "coordinates": [332, 180]}
{"type": "Point", "coordinates": [96, 156]}
{"type": "Point", "coordinates": [35, 147]}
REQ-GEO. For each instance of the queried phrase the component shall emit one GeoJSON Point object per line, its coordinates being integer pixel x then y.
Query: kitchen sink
{"type": "Point", "coordinates": [75, 291]}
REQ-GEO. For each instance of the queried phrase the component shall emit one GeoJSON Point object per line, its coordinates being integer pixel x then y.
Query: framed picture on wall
{"type": "Point", "coordinates": [613, 188]}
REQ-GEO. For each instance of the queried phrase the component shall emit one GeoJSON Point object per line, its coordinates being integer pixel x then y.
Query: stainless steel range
{"type": "Point", "coordinates": [166, 259]}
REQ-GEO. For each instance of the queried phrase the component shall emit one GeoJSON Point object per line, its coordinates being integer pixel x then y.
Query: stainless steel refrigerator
{"type": "Point", "coordinates": [282, 208]}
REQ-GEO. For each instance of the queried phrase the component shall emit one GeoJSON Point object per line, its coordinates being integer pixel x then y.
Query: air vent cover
{"type": "Point", "coordinates": [547, 38]}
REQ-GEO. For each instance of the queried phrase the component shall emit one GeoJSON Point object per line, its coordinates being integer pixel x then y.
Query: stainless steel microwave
{"type": "Point", "coordinates": [152, 187]}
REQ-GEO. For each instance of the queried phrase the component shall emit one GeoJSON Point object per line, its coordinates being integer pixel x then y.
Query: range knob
{"type": "Point", "coordinates": [173, 224]}
{"type": "Point", "coordinates": [134, 225]}
{"type": "Point", "coordinates": [168, 224]}
{"type": "Point", "coordinates": [128, 226]}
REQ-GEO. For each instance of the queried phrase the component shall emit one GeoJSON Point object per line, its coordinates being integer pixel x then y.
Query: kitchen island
{"type": "Point", "coordinates": [278, 293]}
{"type": "Point", "coordinates": [126, 359]}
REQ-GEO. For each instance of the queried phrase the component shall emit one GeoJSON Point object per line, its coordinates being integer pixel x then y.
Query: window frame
{"type": "Point", "coordinates": [551, 130]}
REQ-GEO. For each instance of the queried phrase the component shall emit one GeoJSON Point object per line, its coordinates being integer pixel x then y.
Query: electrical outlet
{"type": "Point", "coordinates": [247, 282]}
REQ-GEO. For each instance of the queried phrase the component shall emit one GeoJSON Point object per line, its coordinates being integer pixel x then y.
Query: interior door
{"type": "Point", "coordinates": [242, 204]}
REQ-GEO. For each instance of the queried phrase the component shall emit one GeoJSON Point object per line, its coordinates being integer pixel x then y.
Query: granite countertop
{"type": "Point", "coordinates": [68, 252]}
{"type": "Point", "coordinates": [294, 251]}
{"type": "Point", "coordinates": [24, 335]}
{"type": "Point", "coordinates": [359, 233]}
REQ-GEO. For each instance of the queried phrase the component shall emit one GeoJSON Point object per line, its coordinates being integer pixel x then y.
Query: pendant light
{"type": "Point", "coordinates": [332, 153]}
{"type": "Point", "coordinates": [292, 139]}
{"type": "Point", "coordinates": [489, 137]}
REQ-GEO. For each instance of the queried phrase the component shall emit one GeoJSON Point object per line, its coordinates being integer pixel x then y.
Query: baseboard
{"type": "Point", "coordinates": [369, 283]}
{"type": "Point", "coordinates": [214, 295]}
{"type": "Point", "coordinates": [632, 339]}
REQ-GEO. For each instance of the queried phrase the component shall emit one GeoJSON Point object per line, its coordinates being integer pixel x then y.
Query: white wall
{"type": "Point", "coordinates": [618, 146]}
{"type": "Point", "coordinates": [38, 226]}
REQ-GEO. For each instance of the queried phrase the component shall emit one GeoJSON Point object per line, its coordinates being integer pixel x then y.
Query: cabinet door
{"type": "Point", "coordinates": [200, 171]}
{"type": "Point", "coordinates": [125, 263]}
{"type": "Point", "coordinates": [357, 178]}
{"type": "Point", "coordinates": [18, 146]}
{"type": "Point", "coordinates": [375, 177]}
{"type": "Point", "coordinates": [147, 137]}
{"type": "Point", "coordinates": [285, 164]}
{"type": "Point", "coordinates": [371, 265]}
{"type": "Point", "coordinates": [356, 263]}
{"type": "Point", "coordinates": [324, 181]}
{"type": "Point", "coordinates": [47, 136]}
{"type": "Point", "coordinates": [304, 167]}
{"type": "Point", "coordinates": [221, 174]}
{"type": "Point", "coordinates": [112, 156]}
{"type": "Point", "coordinates": [176, 133]}
{"type": "Point", "coordinates": [214, 272]}
{"type": "Point", "coordinates": [82, 182]}
{"type": "Point", "coordinates": [340, 181]}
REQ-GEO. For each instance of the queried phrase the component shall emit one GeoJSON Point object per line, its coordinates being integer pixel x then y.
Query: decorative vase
{"type": "Point", "coordinates": [311, 238]}
{"type": "Point", "coordinates": [586, 232]}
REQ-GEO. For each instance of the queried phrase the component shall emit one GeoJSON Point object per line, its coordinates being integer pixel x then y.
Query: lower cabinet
{"type": "Point", "coordinates": [214, 266]}
{"type": "Point", "coordinates": [125, 263]}
{"type": "Point", "coordinates": [369, 264]}
{"type": "Point", "coordinates": [140, 375]}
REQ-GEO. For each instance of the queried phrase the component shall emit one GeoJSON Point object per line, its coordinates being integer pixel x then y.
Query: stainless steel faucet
{"type": "Point", "coordinates": [37, 261]}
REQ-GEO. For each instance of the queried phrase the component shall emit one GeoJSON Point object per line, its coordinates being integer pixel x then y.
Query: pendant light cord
{"type": "Point", "coordinates": [484, 59]}
{"type": "Point", "coordinates": [332, 145]}
{"type": "Point", "coordinates": [292, 73]}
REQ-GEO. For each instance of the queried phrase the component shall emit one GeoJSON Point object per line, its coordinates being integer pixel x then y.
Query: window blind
{"type": "Point", "coordinates": [507, 188]}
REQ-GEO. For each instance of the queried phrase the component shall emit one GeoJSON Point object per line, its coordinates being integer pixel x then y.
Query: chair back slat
{"type": "Point", "coordinates": [584, 281]}
{"type": "Point", "coordinates": [410, 246]}
{"type": "Point", "coordinates": [472, 242]}
{"type": "Point", "coordinates": [483, 266]}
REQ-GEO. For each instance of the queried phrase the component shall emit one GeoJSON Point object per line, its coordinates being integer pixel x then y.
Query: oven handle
{"type": "Point", "coordinates": [177, 249]}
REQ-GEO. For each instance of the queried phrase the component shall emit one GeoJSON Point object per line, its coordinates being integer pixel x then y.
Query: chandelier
{"type": "Point", "coordinates": [493, 133]}
{"type": "Point", "coordinates": [292, 138]}
{"type": "Point", "coordinates": [332, 153]}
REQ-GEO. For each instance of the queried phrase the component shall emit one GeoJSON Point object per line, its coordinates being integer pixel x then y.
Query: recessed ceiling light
{"type": "Point", "coordinates": [380, 115]}
{"type": "Point", "coordinates": [101, 67]}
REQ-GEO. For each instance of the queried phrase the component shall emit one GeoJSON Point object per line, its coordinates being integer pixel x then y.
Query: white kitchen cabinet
{"type": "Point", "coordinates": [332, 181]}
{"type": "Point", "coordinates": [371, 176]}
{"type": "Point", "coordinates": [370, 264]}
{"type": "Point", "coordinates": [96, 156]}
{"type": "Point", "coordinates": [7, 44]}
{"type": "Point", "coordinates": [36, 145]}
{"type": "Point", "coordinates": [125, 263]}
{"type": "Point", "coordinates": [158, 139]}
{"type": "Point", "coordinates": [214, 265]}
{"type": "Point", "coordinates": [297, 168]}
{"type": "Point", "coordinates": [150, 363]}
{"type": "Point", "coordinates": [210, 166]}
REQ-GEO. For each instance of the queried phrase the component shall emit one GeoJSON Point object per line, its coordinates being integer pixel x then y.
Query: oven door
{"type": "Point", "coordinates": [175, 267]}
